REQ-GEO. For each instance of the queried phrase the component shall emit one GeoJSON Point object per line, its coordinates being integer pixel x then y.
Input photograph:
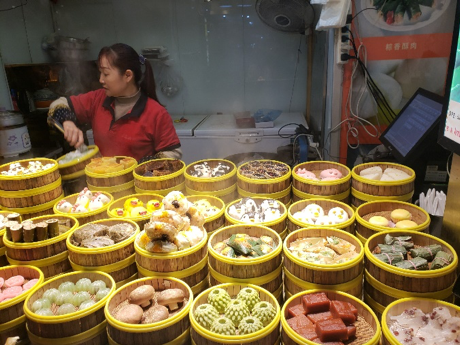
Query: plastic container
{"type": "Point", "coordinates": [157, 333]}
{"type": "Point", "coordinates": [303, 188]}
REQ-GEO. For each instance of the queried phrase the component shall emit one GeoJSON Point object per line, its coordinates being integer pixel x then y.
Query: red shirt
{"type": "Point", "coordinates": [144, 131]}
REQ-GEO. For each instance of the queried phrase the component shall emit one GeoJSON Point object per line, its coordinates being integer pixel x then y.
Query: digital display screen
{"type": "Point", "coordinates": [452, 127]}
{"type": "Point", "coordinates": [412, 124]}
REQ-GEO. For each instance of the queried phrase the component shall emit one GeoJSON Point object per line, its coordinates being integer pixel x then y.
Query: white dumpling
{"type": "Point", "coordinates": [338, 214]}
{"type": "Point", "coordinates": [313, 211]}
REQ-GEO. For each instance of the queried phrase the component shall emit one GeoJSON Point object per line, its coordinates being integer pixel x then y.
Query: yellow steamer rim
{"type": "Point", "coordinates": [321, 267]}
{"type": "Point", "coordinates": [205, 180]}
{"type": "Point", "coordinates": [44, 243]}
{"type": "Point", "coordinates": [428, 274]}
{"type": "Point", "coordinates": [144, 197]}
{"type": "Point", "coordinates": [359, 178]}
{"type": "Point", "coordinates": [100, 252]}
{"type": "Point", "coordinates": [244, 262]}
{"type": "Point", "coordinates": [337, 294]}
{"type": "Point", "coordinates": [215, 221]}
{"type": "Point", "coordinates": [86, 214]}
{"type": "Point", "coordinates": [405, 303]}
{"type": "Point", "coordinates": [112, 174]}
{"type": "Point", "coordinates": [112, 189]}
{"type": "Point", "coordinates": [51, 324]}
{"type": "Point", "coordinates": [376, 228]}
{"type": "Point", "coordinates": [81, 159]}
{"type": "Point", "coordinates": [273, 326]}
{"type": "Point", "coordinates": [159, 178]}
{"type": "Point", "coordinates": [341, 180]}
{"type": "Point", "coordinates": [148, 328]}
{"type": "Point", "coordinates": [33, 211]}
{"type": "Point", "coordinates": [278, 224]}
{"type": "Point", "coordinates": [285, 177]}
{"type": "Point", "coordinates": [18, 269]}
{"type": "Point", "coordinates": [349, 223]}
{"type": "Point", "coordinates": [29, 176]}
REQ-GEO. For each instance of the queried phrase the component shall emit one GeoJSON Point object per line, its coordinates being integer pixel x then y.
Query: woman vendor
{"type": "Point", "coordinates": [125, 115]}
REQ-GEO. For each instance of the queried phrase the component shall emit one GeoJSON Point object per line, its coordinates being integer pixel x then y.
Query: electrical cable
{"type": "Point", "coordinates": [364, 9]}
{"type": "Point", "coordinates": [288, 135]}
{"type": "Point", "coordinates": [14, 7]}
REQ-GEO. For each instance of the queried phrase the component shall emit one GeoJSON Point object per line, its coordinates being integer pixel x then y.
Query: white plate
{"type": "Point", "coordinates": [429, 15]}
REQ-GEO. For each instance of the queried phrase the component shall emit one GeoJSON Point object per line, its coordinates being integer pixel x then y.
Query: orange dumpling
{"type": "Point", "coordinates": [128, 162]}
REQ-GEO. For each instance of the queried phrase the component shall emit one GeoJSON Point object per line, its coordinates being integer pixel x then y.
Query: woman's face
{"type": "Point", "coordinates": [115, 83]}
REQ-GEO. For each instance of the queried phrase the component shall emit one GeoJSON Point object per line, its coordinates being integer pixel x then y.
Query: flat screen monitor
{"type": "Point", "coordinates": [408, 134]}
{"type": "Point", "coordinates": [449, 131]}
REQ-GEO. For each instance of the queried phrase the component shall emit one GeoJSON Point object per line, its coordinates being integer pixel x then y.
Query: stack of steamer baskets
{"type": "Point", "coordinates": [326, 180]}
{"type": "Point", "coordinates": [31, 192]}
{"type": "Point", "coordinates": [116, 257]}
{"type": "Point", "coordinates": [74, 314]}
{"type": "Point", "coordinates": [3, 215]}
{"type": "Point", "coordinates": [245, 254]}
{"type": "Point", "coordinates": [40, 242]}
{"type": "Point", "coordinates": [371, 183]}
{"type": "Point", "coordinates": [113, 175]}
{"type": "Point", "coordinates": [421, 272]}
{"type": "Point", "coordinates": [265, 178]}
{"type": "Point", "coordinates": [375, 216]}
{"type": "Point", "coordinates": [214, 214]}
{"type": "Point", "coordinates": [160, 176]}
{"type": "Point", "coordinates": [12, 319]}
{"type": "Point", "coordinates": [336, 264]}
{"type": "Point", "coordinates": [73, 172]}
{"type": "Point", "coordinates": [215, 177]}
{"type": "Point", "coordinates": [161, 258]}
{"type": "Point", "coordinates": [257, 210]}
{"type": "Point", "coordinates": [165, 319]}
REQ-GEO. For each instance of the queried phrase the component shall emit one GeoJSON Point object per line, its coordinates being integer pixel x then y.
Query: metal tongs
{"type": "Point", "coordinates": [51, 121]}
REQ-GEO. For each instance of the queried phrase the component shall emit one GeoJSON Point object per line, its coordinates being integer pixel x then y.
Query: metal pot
{"type": "Point", "coordinates": [62, 48]}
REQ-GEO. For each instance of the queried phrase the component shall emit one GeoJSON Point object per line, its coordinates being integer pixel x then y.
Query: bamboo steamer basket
{"type": "Point", "coordinates": [95, 335]}
{"type": "Point", "coordinates": [216, 221]}
{"type": "Point", "coordinates": [381, 295]}
{"type": "Point", "coordinates": [265, 186]}
{"type": "Point", "coordinates": [364, 190]}
{"type": "Point", "coordinates": [157, 333]}
{"type": "Point", "coordinates": [111, 179]}
{"type": "Point", "coordinates": [118, 191]}
{"type": "Point", "coordinates": [183, 339]}
{"type": "Point", "coordinates": [162, 192]}
{"type": "Point", "coordinates": [294, 285]}
{"type": "Point", "coordinates": [171, 262]}
{"type": "Point", "coordinates": [318, 273]}
{"type": "Point", "coordinates": [14, 328]}
{"type": "Point", "coordinates": [76, 168]}
{"type": "Point", "coordinates": [210, 184]}
{"type": "Point", "coordinates": [31, 197]}
{"type": "Point", "coordinates": [406, 280]}
{"type": "Point", "coordinates": [13, 309]}
{"type": "Point", "coordinates": [193, 276]}
{"type": "Point", "coordinates": [29, 251]}
{"type": "Point", "coordinates": [141, 220]}
{"type": "Point", "coordinates": [284, 196]}
{"type": "Point", "coordinates": [30, 181]}
{"type": "Point", "coordinates": [371, 332]}
{"type": "Point", "coordinates": [104, 255]}
{"type": "Point", "coordinates": [51, 266]}
{"type": "Point", "coordinates": [3, 258]}
{"type": "Point", "coordinates": [265, 270]}
{"type": "Point", "coordinates": [399, 306]}
{"type": "Point", "coordinates": [89, 216]}
{"type": "Point", "coordinates": [307, 189]}
{"type": "Point", "coordinates": [37, 210]}
{"type": "Point", "coordinates": [294, 224]}
{"type": "Point", "coordinates": [226, 195]}
{"type": "Point", "coordinates": [3, 230]}
{"type": "Point", "coordinates": [268, 335]}
{"type": "Point", "coordinates": [367, 210]}
{"type": "Point", "coordinates": [277, 225]}
{"type": "Point", "coordinates": [160, 184]}
{"type": "Point", "coordinates": [376, 307]}
{"type": "Point", "coordinates": [272, 282]}
{"type": "Point", "coordinates": [72, 324]}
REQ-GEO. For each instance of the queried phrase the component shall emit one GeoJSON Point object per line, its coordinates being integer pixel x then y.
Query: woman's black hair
{"type": "Point", "coordinates": [124, 57]}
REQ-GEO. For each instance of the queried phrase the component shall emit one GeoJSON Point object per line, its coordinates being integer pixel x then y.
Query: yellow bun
{"type": "Point", "coordinates": [406, 224]}
{"type": "Point", "coordinates": [400, 214]}
{"type": "Point", "coordinates": [379, 221]}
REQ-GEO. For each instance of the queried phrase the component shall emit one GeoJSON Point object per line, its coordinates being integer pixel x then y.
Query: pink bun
{"type": "Point", "coordinates": [330, 173]}
{"type": "Point", "coordinates": [306, 174]}
{"type": "Point", "coordinates": [329, 179]}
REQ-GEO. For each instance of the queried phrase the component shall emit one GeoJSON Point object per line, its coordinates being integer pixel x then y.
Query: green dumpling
{"type": "Point", "coordinates": [265, 312]}
{"type": "Point", "coordinates": [223, 326]}
{"type": "Point", "coordinates": [205, 315]}
{"type": "Point", "coordinates": [236, 311]}
{"type": "Point", "coordinates": [250, 296]}
{"type": "Point", "coordinates": [219, 299]}
{"type": "Point", "coordinates": [249, 324]}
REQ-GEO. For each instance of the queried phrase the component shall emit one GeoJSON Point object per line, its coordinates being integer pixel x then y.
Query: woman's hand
{"type": "Point", "coordinates": [72, 134]}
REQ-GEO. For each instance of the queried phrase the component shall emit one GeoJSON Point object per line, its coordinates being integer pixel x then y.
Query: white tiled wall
{"type": "Point", "coordinates": [228, 59]}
